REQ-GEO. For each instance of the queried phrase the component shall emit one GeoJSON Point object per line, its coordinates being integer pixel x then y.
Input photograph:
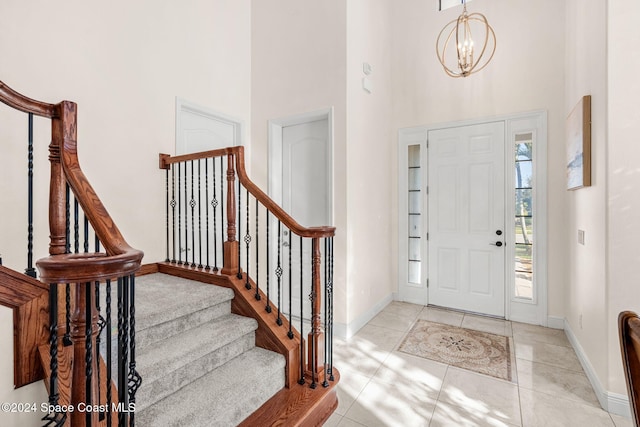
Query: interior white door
{"type": "Point", "coordinates": [200, 129]}
{"type": "Point", "coordinates": [306, 196]}
{"type": "Point", "coordinates": [466, 218]}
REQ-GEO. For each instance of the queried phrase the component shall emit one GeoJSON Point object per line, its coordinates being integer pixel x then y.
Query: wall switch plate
{"type": "Point", "coordinates": [581, 237]}
{"type": "Point", "coordinates": [367, 85]}
{"type": "Point", "coordinates": [366, 68]}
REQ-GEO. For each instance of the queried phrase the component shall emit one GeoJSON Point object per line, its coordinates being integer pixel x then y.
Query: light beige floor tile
{"type": "Point", "coordinates": [555, 355]}
{"type": "Point", "coordinates": [487, 324]}
{"type": "Point", "coordinates": [346, 422]}
{"type": "Point", "coordinates": [621, 421]}
{"type": "Point", "coordinates": [438, 315]}
{"type": "Point", "coordinates": [524, 332]}
{"type": "Point", "coordinates": [360, 354]}
{"type": "Point", "coordinates": [543, 410]}
{"type": "Point", "coordinates": [383, 338]}
{"type": "Point", "coordinates": [450, 415]}
{"type": "Point", "coordinates": [391, 320]}
{"type": "Point", "coordinates": [485, 398]}
{"type": "Point", "coordinates": [349, 388]}
{"type": "Point", "coordinates": [556, 381]}
{"type": "Point", "coordinates": [409, 371]}
{"type": "Point", "coordinates": [384, 404]}
{"type": "Point", "coordinates": [404, 308]}
{"type": "Point", "coordinates": [333, 421]}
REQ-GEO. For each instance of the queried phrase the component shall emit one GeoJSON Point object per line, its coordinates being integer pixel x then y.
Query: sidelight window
{"type": "Point", "coordinates": [524, 221]}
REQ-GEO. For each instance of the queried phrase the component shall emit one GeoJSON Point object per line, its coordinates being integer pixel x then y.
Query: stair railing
{"type": "Point", "coordinates": [218, 221]}
{"type": "Point", "coordinates": [80, 382]}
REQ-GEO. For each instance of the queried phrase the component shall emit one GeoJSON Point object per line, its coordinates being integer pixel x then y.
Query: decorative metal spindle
{"type": "Point", "coordinates": [29, 271]}
{"type": "Point", "coordinates": [85, 228]}
{"type": "Point", "coordinates": [268, 306]}
{"type": "Point", "coordinates": [302, 358]}
{"type": "Point", "coordinates": [179, 220]}
{"type": "Point", "coordinates": [257, 279]}
{"type": "Point", "coordinates": [53, 418]}
{"type": "Point", "coordinates": [66, 340]}
{"type": "Point", "coordinates": [123, 338]}
{"type": "Point", "coordinates": [239, 275]}
{"type": "Point", "coordinates": [173, 213]}
{"type": "Point", "coordinates": [76, 226]}
{"type": "Point", "coordinates": [247, 241]}
{"type": "Point", "coordinates": [312, 342]}
{"type": "Point", "coordinates": [290, 333]}
{"type": "Point", "coordinates": [68, 219]}
{"type": "Point", "coordinates": [214, 204]}
{"type": "Point", "coordinates": [222, 205]}
{"type": "Point", "coordinates": [186, 217]}
{"type": "Point", "coordinates": [166, 185]}
{"type": "Point", "coordinates": [199, 218]}
{"type": "Point", "coordinates": [279, 273]}
{"type": "Point", "coordinates": [108, 361]}
{"type": "Point", "coordinates": [206, 197]}
{"type": "Point", "coordinates": [192, 203]}
{"type": "Point", "coordinates": [88, 348]}
{"type": "Point", "coordinates": [325, 383]}
{"type": "Point", "coordinates": [101, 323]}
{"type": "Point", "coordinates": [97, 244]}
{"type": "Point", "coordinates": [329, 304]}
{"type": "Point", "coordinates": [134, 380]}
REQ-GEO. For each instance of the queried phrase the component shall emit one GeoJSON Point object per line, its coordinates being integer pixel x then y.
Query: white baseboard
{"type": "Point", "coordinates": [346, 331]}
{"type": "Point", "coordinates": [555, 322]}
{"type": "Point", "coordinates": [612, 402]}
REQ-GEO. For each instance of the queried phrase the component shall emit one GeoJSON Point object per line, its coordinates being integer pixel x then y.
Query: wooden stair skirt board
{"type": "Point", "coordinates": [297, 406]}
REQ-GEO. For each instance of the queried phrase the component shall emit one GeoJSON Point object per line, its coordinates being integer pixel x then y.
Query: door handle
{"type": "Point", "coordinates": [498, 243]}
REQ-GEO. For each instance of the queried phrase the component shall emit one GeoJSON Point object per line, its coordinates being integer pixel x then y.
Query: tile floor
{"type": "Point", "coordinates": [383, 387]}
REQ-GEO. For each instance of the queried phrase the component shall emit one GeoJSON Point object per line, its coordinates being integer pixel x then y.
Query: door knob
{"type": "Point", "coordinates": [498, 243]}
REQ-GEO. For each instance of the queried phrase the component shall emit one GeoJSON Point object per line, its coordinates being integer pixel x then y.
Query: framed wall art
{"type": "Point", "coordinates": [578, 133]}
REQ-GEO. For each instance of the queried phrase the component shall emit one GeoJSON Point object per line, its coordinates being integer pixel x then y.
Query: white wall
{"type": "Point", "coordinates": [123, 63]}
{"type": "Point", "coordinates": [527, 73]}
{"type": "Point", "coordinates": [623, 175]}
{"type": "Point", "coordinates": [586, 291]}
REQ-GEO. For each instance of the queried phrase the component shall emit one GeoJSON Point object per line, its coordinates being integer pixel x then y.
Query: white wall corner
{"type": "Point", "coordinates": [346, 331]}
{"type": "Point", "coordinates": [612, 402]}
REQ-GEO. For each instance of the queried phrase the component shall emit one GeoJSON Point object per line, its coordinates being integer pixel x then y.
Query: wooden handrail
{"type": "Point", "coordinates": [20, 102]}
{"type": "Point", "coordinates": [274, 208]}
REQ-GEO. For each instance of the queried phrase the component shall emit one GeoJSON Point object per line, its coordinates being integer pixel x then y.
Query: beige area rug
{"type": "Point", "coordinates": [476, 351]}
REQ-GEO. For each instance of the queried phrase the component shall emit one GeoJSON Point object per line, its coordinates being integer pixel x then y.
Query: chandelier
{"type": "Point", "coordinates": [465, 60]}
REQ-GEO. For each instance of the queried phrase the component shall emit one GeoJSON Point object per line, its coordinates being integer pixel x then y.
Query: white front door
{"type": "Point", "coordinates": [467, 218]}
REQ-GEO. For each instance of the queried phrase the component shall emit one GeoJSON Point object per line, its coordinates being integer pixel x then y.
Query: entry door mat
{"type": "Point", "coordinates": [476, 351]}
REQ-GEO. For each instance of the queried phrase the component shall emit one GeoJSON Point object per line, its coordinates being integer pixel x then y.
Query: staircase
{"type": "Point", "coordinates": [199, 361]}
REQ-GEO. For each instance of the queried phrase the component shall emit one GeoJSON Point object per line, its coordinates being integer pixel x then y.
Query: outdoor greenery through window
{"type": "Point", "coordinates": [415, 211]}
{"type": "Point", "coordinates": [523, 216]}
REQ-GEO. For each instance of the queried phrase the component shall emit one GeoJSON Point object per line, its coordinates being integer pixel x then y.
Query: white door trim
{"type": "Point", "coordinates": [183, 105]}
{"type": "Point", "coordinates": [275, 151]}
{"type": "Point", "coordinates": [536, 311]}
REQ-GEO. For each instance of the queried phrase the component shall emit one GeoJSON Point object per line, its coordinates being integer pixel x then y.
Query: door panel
{"type": "Point", "coordinates": [466, 185]}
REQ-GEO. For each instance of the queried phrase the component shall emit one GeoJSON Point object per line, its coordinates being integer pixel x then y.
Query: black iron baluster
{"type": "Point", "coordinates": [67, 219]}
{"type": "Point", "coordinates": [325, 260]}
{"type": "Point", "coordinates": [301, 380]}
{"type": "Point", "coordinates": [166, 185]}
{"type": "Point", "coordinates": [247, 241]}
{"type": "Point", "coordinates": [88, 348]}
{"type": "Point", "coordinates": [192, 203]}
{"type": "Point", "coordinates": [101, 323]}
{"type": "Point", "coordinates": [222, 237]}
{"type": "Point", "coordinates": [199, 218]}
{"type": "Point", "coordinates": [186, 217]}
{"type": "Point", "coordinates": [30, 271]}
{"type": "Point", "coordinates": [257, 279]}
{"type": "Point", "coordinates": [173, 213]}
{"type": "Point", "coordinates": [76, 226]}
{"type": "Point", "coordinates": [179, 219]}
{"type": "Point", "coordinates": [279, 274]}
{"type": "Point", "coordinates": [329, 304]}
{"type": "Point", "coordinates": [214, 204]}
{"type": "Point", "coordinates": [108, 361]}
{"type": "Point", "coordinates": [123, 338]}
{"type": "Point", "coordinates": [66, 340]}
{"type": "Point", "coordinates": [268, 306]}
{"type": "Point", "coordinates": [206, 197]}
{"type": "Point", "coordinates": [239, 275]}
{"type": "Point", "coordinates": [312, 345]}
{"type": "Point", "coordinates": [290, 333]}
{"type": "Point", "coordinates": [86, 233]}
{"type": "Point", "coordinates": [134, 379]}
{"type": "Point", "coordinates": [53, 418]}
{"type": "Point", "coordinates": [97, 244]}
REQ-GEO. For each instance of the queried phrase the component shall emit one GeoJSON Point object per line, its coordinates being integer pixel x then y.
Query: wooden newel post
{"type": "Point", "coordinates": [231, 245]}
{"type": "Point", "coordinates": [84, 388]}
{"type": "Point", "coordinates": [316, 336]}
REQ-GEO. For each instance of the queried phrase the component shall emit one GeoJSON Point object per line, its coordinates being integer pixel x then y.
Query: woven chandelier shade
{"type": "Point", "coordinates": [457, 47]}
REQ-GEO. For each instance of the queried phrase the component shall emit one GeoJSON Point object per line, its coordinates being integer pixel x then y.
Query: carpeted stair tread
{"type": "Point", "coordinates": [174, 352]}
{"type": "Point", "coordinates": [161, 298]}
{"type": "Point", "coordinates": [223, 397]}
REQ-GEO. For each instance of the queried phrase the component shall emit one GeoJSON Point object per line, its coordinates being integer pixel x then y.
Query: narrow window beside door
{"type": "Point", "coordinates": [524, 222]}
{"type": "Point", "coordinates": [415, 213]}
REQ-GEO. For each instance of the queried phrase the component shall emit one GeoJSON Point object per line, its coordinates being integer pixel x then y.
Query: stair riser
{"type": "Point", "coordinates": [162, 331]}
{"type": "Point", "coordinates": [150, 393]}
